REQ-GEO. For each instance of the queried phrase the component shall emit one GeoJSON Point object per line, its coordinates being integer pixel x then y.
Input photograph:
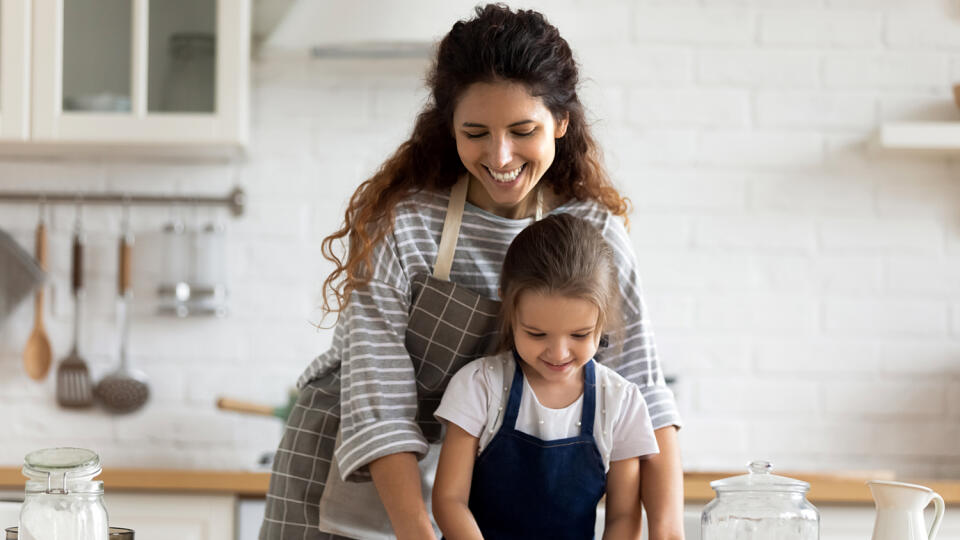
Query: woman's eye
{"type": "Point", "coordinates": [526, 134]}
{"type": "Point", "coordinates": [474, 135]}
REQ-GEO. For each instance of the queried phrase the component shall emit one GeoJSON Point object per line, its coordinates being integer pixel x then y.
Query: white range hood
{"type": "Point", "coordinates": [357, 27]}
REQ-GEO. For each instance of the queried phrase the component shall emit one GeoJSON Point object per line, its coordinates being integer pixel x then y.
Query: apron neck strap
{"type": "Point", "coordinates": [451, 229]}
{"type": "Point", "coordinates": [451, 226]}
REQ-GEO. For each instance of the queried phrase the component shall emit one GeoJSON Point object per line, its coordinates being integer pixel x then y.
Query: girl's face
{"type": "Point", "coordinates": [506, 140]}
{"type": "Point", "coordinates": [555, 336]}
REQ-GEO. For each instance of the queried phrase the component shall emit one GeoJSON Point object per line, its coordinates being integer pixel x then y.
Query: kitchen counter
{"type": "Point", "coordinates": [825, 488]}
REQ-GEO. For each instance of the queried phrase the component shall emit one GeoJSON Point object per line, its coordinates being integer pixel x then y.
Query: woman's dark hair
{"type": "Point", "coordinates": [498, 44]}
{"type": "Point", "coordinates": [560, 255]}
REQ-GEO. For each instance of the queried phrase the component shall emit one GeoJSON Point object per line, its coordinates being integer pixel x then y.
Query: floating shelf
{"type": "Point", "coordinates": [942, 137]}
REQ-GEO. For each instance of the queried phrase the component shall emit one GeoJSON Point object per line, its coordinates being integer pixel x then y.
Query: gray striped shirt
{"type": "Point", "coordinates": [378, 391]}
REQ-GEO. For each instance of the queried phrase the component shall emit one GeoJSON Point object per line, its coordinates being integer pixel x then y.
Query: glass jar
{"type": "Point", "coordinates": [760, 506]}
{"type": "Point", "coordinates": [62, 500]}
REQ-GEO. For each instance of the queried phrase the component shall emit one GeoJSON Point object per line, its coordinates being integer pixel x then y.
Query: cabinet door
{"type": "Point", "coordinates": [14, 69]}
{"type": "Point", "coordinates": [141, 71]}
{"type": "Point", "coordinates": [174, 516]}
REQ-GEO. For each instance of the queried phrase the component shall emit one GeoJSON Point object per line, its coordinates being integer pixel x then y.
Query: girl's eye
{"type": "Point", "coordinates": [527, 134]}
{"type": "Point", "coordinates": [535, 335]}
{"type": "Point", "coordinates": [474, 135]}
{"type": "Point", "coordinates": [581, 336]}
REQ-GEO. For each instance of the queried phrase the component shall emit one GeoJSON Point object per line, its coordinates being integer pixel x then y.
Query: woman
{"type": "Point", "coordinates": [502, 141]}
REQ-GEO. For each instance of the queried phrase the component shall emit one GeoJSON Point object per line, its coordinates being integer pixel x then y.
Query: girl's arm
{"type": "Point", "coordinates": [623, 517]}
{"type": "Point", "coordinates": [397, 479]}
{"type": "Point", "coordinates": [662, 487]}
{"type": "Point", "coordinates": [451, 489]}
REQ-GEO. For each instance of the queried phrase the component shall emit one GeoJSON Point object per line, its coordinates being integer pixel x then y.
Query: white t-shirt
{"type": "Point", "coordinates": [476, 400]}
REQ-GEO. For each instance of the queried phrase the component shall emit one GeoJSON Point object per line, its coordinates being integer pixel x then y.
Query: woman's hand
{"type": "Point", "coordinates": [623, 518]}
{"type": "Point", "coordinates": [451, 488]}
{"type": "Point", "coordinates": [661, 487]}
{"type": "Point", "coordinates": [397, 479]}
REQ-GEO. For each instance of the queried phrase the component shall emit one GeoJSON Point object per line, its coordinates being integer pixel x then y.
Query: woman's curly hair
{"type": "Point", "coordinates": [498, 44]}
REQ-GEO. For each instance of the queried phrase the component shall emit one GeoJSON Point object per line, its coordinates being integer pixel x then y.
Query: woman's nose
{"type": "Point", "coordinates": [502, 151]}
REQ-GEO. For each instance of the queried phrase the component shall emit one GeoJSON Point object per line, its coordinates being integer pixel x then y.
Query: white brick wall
{"type": "Point", "coordinates": [803, 285]}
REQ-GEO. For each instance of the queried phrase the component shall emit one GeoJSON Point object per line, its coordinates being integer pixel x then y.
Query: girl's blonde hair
{"type": "Point", "coordinates": [559, 255]}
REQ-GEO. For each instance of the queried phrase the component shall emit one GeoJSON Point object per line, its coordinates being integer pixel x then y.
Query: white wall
{"type": "Point", "coordinates": [804, 287]}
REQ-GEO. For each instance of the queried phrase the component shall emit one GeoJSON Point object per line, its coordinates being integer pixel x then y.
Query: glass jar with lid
{"type": "Point", "coordinates": [62, 500]}
{"type": "Point", "coordinates": [760, 506]}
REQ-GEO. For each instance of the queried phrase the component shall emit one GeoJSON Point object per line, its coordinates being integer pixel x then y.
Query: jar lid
{"type": "Point", "coordinates": [73, 462]}
{"type": "Point", "coordinates": [759, 479]}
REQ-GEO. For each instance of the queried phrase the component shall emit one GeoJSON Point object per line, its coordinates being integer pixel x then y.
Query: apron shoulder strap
{"type": "Point", "coordinates": [451, 230]}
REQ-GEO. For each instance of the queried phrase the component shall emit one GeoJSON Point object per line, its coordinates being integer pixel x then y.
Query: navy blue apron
{"type": "Point", "coordinates": [524, 487]}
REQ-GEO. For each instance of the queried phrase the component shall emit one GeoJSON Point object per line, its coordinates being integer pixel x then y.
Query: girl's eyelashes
{"type": "Point", "coordinates": [581, 336]}
{"type": "Point", "coordinates": [535, 334]}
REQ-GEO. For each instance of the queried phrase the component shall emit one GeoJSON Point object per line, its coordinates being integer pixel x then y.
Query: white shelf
{"type": "Point", "coordinates": [926, 136]}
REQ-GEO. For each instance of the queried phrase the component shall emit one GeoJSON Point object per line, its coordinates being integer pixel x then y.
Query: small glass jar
{"type": "Point", "coordinates": [62, 500]}
{"type": "Point", "coordinates": [760, 506]}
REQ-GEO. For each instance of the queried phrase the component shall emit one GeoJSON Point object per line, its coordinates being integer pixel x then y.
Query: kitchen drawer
{"type": "Point", "coordinates": [168, 516]}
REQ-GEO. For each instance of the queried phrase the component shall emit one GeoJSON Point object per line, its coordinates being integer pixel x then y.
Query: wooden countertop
{"type": "Point", "coordinates": [825, 487]}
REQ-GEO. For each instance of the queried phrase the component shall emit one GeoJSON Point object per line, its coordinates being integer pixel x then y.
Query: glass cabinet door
{"type": "Point", "coordinates": [97, 51]}
{"type": "Point", "coordinates": [182, 56]}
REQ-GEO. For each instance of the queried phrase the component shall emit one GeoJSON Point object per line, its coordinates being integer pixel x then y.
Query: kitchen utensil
{"type": "Point", "coordinates": [37, 354]}
{"type": "Point", "coordinates": [116, 533]}
{"type": "Point", "coordinates": [125, 389]}
{"type": "Point", "coordinates": [74, 388]}
{"type": "Point", "coordinates": [19, 275]}
{"type": "Point", "coordinates": [237, 405]}
{"type": "Point", "coordinates": [900, 511]}
{"type": "Point", "coordinates": [760, 506]}
{"type": "Point", "coordinates": [62, 500]}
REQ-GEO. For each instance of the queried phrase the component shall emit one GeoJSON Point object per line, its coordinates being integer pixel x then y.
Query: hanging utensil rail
{"type": "Point", "coordinates": [235, 200]}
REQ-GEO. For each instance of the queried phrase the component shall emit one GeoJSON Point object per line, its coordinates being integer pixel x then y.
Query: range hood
{"type": "Point", "coordinates": [357, 27]}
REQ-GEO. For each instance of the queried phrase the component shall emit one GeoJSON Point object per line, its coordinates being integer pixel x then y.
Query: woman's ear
{"type": "Point", "coordinates": [562, 126]}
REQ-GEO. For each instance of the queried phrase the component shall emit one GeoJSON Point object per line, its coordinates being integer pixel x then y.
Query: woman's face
{"type": "Point", "coordinates": [506, 140]}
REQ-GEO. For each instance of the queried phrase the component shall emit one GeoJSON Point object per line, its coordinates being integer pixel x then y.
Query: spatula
{"type": "Point", "coordinates": [37, 354]}
{"type": "Point", "coordinates": [74, 388]}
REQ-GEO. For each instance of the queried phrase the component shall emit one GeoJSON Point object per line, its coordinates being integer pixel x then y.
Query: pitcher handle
{"type": "Point", "coordinates": [938, 515]}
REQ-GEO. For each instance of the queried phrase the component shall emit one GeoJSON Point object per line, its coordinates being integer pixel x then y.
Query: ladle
{"type": "Point", "coordinates": [37, 354]}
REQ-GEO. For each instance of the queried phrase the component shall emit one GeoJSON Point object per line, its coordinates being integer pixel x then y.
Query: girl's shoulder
{"type": "Point", "coordinates": [489, 371]}
{"type": "Point", "coordinates": [612, 384]}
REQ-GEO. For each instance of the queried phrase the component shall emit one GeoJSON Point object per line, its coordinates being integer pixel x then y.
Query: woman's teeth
{"type": "Point", "coordinates": [506, 177]}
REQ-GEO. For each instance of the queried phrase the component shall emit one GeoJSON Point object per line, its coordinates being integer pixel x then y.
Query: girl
{"type": "Point", "coordinates": [502, 139]}
{"type": "Point", "coordinates": [537, 433]}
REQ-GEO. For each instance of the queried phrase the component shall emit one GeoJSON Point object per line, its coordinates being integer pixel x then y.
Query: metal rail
{"type": "Point", "coordinates": [235, 200]}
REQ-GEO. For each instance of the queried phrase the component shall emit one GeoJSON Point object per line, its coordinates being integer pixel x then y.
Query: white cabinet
{"type": "Point", "coordinates": [122, 74]}
{"type": "Point", "coordinates": [168, 516]}
{"type": "Point", "coordinates": [14, 70]}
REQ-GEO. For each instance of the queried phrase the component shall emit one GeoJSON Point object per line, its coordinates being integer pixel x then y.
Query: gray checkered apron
{"type": "Point", "coordinates": [448, 326]}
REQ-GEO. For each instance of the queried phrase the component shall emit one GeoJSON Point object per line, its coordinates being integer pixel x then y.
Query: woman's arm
{"type": "Point", "coordinates": [397, 479]}
{"type": "Point", "coordinates": [623, 518]}
{"type": "Point", "coordinates": [451, 489]}
{"type": "Point", "coordinates": [661, 487]}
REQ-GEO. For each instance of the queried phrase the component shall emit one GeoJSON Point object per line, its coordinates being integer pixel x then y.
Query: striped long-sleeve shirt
{"type": "Point", "coordinates": [378, 391]}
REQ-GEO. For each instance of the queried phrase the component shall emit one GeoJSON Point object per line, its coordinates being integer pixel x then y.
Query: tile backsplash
{"type": "Point", "coordinates": [804, 286]}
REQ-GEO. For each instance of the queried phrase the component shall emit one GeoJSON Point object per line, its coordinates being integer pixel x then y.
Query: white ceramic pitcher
{"type": "Point", "coordinates": [900, 511]}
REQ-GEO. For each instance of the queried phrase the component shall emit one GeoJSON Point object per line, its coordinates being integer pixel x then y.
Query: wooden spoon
{"type": "Point", "coordinates": [37, 355]}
